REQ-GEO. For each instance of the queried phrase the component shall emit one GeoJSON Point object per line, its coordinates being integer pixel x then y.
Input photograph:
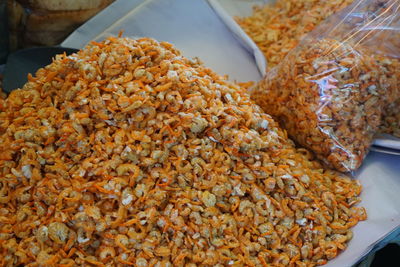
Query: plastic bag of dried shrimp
{"type": "Point", "coordinates": [331, 91]}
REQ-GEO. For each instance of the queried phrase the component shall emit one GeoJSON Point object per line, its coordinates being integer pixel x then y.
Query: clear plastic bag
{"type": "Point", "coordinates": [330, 92]}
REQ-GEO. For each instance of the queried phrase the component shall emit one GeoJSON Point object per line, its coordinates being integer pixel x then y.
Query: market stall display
{"type": "Point", "coordinates": [197, 31]}
{"type": "Point", "coordinates": [129, 153]}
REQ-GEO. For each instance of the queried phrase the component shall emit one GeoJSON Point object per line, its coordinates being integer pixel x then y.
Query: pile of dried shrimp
{"type": "Point", "coordinates": [129, 154]}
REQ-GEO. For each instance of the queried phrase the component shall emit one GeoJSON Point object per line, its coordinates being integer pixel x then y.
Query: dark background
{"type": "Point", "coordinates": [3, 32]}
{"type": "Point", "coordinates": [388, 256]}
